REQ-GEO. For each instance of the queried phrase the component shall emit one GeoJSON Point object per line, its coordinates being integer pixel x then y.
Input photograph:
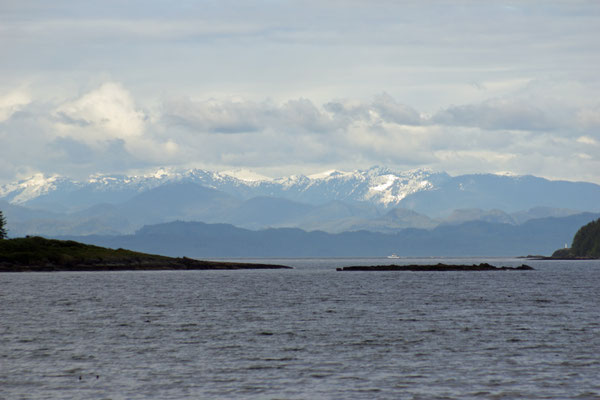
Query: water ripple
{"type": "Point", "coordinates": [307, 333]}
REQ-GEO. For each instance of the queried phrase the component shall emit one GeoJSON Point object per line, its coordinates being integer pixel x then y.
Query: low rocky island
{"type": "Point", "coordinates": [45, 255]}
{"type": "Point", "coordinates": [436, 267]}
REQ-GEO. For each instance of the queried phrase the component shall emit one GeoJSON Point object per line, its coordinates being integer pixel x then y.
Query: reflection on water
{"type": "Point", "coordinates": [311, 332]}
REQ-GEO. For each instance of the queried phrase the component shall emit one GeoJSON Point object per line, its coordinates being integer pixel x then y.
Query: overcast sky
{"type": "Point", "coordinates": [283, 87]}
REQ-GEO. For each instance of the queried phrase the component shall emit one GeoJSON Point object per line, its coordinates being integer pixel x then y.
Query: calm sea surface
{"type": "Point", "coordinates": [305, 333]}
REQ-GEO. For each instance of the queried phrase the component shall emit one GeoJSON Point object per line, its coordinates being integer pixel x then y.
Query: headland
{"type": "Point", "coordinates": [37, 254]}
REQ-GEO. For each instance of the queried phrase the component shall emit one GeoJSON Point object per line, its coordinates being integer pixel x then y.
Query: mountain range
{"type": "Point", "coordinates": [377, 200]}
{"type": "Point", "coordinates": [475, 238]}
{"type": "Point", "coordinates": [379, 186]}
{"type": "Point", "coordinates": [432, 193]}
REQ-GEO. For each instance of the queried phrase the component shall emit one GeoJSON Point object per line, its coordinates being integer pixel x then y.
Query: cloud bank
{"type": "Point", "coordinates": [300, 87]}
{"type": "Point", "coordinates": [106, 130]}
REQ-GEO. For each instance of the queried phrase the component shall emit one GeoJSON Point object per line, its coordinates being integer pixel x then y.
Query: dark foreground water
{"type": "Point", "coordinates": [307, 333]}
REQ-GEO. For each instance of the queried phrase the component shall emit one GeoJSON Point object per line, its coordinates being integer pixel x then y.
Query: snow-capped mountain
{"type": "Point", "coordinates": [330, 201]}
{"type": "Point", "coordinates": [379, 186]}
{"type": "Point", "coordinates": [36, 186]}
{"type": "Point", "coordinates": [376, 199]}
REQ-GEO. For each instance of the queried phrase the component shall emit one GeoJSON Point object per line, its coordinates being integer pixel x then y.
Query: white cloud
{"type": "Point", "coordinates": [497, 114]}
{"type": "Point", "coordinates": [288, 86]}
{"type": "Point", "coordinates": [302, 114]}
{"type": "Point", "coordinates": [104, 130]}
{"type": "Point", "coordinates": [106, 112]}
{"type": "Point", "coordinates": [100, 130]}
{"type": "Point", "coordinates": [382, 109]}
{"type": "Point", "coordinates": [243, 116]}
{"type": "Point", "coordinates": [389, 110]}
{"type": "Point", "coordinates": [12, 102]}
{"type": "Point", "coordinates": [586, 140]}
{"type": "Point", "coordinates": [229, 116]}
{"type": "Point", "coordinates": [131, 28]}
{"type": "Point", "coordinates": [589, 118]}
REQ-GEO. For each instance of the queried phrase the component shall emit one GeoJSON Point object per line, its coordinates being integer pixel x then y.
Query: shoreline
{"type": "Point", "coordinates": [38, 254]}
{"type": "Point", "coordinates": [184, 265]}
{"type": "Point", "coordinates": [544, 258]}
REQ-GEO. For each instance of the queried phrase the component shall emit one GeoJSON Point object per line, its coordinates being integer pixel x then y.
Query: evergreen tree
{"type": "Point", "coordinates": [2, 226]}
{"type": "Point", "coordinates": [586, 242]}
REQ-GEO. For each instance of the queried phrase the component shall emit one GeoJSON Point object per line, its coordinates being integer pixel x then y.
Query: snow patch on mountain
{"type": "Point", "coordinates": [246, 175]}
{"type": "Point", "coordinates": [331, 174]}
{"type": "Point", "coordinates": [163, 173]}
{"type": "Point", "coordinates": [292, 181]}
{"type": "Point", "coordinates": [389, 181]}
{"type": "Point", "coordinates": [35, 186]}
{"type": "Point", "coordinates": [390, 188]}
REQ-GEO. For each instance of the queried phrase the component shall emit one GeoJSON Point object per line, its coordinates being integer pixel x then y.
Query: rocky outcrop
{"type": "Point", "coordinates": [436, 267]}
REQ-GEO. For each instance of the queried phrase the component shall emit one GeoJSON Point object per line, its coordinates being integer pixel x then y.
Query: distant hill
{"type": "Point", "coordinates": [586, 243]}
{"type": "Point", "coordinates": [201, 240]}
{"type": "Point", "coordinates": [507, 193]}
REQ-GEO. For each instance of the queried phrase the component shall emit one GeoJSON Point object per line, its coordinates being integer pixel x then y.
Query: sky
{"type": "Point", "coordinates": [300, 87]}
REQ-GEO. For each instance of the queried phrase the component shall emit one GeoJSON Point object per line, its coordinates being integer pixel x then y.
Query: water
{"type": "Point", "coordinates": [311, 332]}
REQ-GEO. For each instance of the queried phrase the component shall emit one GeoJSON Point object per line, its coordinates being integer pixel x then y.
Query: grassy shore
{"type": "Point", "coordinates": [40, 254]}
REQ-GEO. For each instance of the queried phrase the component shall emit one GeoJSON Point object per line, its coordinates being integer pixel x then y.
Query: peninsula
{"type": "Point", "coordinates": [37, 254]}
{"type": "Point", "coordinates": [585, 246]}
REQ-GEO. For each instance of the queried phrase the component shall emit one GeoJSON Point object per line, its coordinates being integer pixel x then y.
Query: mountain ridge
{"type": "Point", "coordinates": [379, 186]}
{"type": "Point", "coordinates": [377, 199]}
{"type": "Point", "coordinates": [475, 238]}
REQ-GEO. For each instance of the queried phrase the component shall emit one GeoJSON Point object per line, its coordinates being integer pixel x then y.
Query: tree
{"type": "Point", "coordinates": [586, 242]}
{"type": "Point", "coordinates": [2, 226]}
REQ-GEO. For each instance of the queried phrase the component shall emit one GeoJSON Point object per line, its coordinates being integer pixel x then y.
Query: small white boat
{"type": "Point", "coordinates": [394, 255]}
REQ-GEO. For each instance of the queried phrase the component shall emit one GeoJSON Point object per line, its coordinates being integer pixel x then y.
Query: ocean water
{"type": "Point", "coordinates": [305, 333]}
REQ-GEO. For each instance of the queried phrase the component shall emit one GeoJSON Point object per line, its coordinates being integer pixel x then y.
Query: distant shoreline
{"type": "Point", "coordinates": [550, 258]}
